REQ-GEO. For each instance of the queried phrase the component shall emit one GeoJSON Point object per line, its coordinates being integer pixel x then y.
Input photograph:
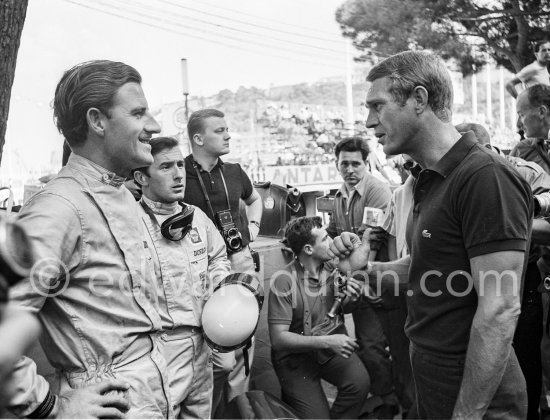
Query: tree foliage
{"type": "Point", "coordinates": [12, 18]}
{"type": "Point", "coordinates": [470, 31]}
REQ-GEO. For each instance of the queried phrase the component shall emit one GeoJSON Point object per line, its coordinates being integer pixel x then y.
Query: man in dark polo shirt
{"type": "Point", "coordinates": [218, 188]}
{"type": "Point", "coordinates": [468, 234]}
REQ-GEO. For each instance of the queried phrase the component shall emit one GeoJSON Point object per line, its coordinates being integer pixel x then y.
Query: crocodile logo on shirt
{"type": "Point", "coordinates": [426, 234]}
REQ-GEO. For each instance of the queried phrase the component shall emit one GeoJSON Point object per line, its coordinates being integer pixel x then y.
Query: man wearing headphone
{"type": "Point", "coordinates": [219, 189]}
{"type": "Point", "coordinates": [189, 259]}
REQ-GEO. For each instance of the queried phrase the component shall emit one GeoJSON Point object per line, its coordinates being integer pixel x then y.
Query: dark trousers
{"type": "Point", "coordinates": [372, 347]}
{"type": "Point", "coordinates": [393, 323]}
{"type": "Point", "coordinates": [545, 352]}
{"type": "Point", "coordinates": [527, 339]}
{"type": "Point", "coordinates": [300, 377]}
{"type": "Point", "coordinates": [438, 379]}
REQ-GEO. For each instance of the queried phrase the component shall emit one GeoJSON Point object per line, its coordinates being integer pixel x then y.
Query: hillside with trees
{"type": "Point", "coordinates": [248, 103]}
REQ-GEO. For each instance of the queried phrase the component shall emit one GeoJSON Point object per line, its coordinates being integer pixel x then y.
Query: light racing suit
{"type": "Point", "coordinates": [187, 271]}
{"type": "Point", "coordinates": [94, 292]}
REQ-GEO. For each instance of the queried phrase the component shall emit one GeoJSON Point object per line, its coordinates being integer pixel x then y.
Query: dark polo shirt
{"type": "Point", "coordinates": [471, 203]}
{"type": "Point", "coordinates": [238, 187]}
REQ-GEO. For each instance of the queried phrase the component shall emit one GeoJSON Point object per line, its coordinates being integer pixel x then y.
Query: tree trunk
{"type": "Point", "coordinates": [12, 18]}
{"type": "Point", "coordinates": [523, 52]}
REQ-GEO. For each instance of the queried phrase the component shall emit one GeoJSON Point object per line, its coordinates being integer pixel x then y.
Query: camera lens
{"type": "Point", "coordinates": [235, 243]}
{"type": "Point", "coordinates": [340, 280]}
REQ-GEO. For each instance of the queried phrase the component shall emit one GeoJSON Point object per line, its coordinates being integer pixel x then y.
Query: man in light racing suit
{"type": "Point", "coordinates": [189, 258]}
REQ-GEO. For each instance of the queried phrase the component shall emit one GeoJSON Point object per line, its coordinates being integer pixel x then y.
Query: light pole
{"type": "Point", "coordinates": [185, 85]}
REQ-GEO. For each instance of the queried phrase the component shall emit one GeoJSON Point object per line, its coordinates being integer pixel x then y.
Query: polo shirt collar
{"type": "Point", "coordinates": [218, 164]}
{"type": "Point", "coordinates": [455, 155]}
{"type": "Point", "coordinates": [345, 192]}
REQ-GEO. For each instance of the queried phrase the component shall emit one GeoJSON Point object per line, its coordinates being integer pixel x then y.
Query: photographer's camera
{"type": "Point", "coordinates": [230, 232]}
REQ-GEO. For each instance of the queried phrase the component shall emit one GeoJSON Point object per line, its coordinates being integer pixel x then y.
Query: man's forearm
{"type": "Point", "coordinates": [254, 211]}
{"type": "Point", "coordinates": [390, 273]}
{"type": "Point", "coordinates": [511, 89]}
{"type": "Point", "coordinates": [298, 343]}
{"type": "Point", "coordinates": [486, 360]}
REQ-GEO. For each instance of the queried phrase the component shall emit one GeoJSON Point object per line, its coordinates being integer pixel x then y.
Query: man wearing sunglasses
{"type": "Point", "coordinates": [189, 259]}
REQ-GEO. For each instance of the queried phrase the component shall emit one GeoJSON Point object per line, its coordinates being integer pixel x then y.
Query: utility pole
{"type": "Point", "coordinates": [349, 92]}
{"type": "Point", "coordinates": [185, 86]}
{"type": "Point", "coordinates": [474, 96]}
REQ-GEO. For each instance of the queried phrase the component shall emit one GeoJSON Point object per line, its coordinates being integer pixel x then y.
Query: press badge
{"type": "Point", "coordinates": [373, 217]}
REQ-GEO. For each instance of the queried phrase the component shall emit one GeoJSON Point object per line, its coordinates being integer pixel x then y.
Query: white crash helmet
{"type": "Point", "coordinates": [230, 316]}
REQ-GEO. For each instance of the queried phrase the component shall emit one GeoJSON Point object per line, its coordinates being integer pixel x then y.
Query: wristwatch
{"type": "Point", "coordinates": [255, 223]}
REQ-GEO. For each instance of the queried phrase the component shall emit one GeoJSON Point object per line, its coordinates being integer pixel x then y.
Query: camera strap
{"type": "Point", "coordinates": [203, 187]}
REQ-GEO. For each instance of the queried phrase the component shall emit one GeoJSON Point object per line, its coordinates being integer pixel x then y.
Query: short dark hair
{"type": "Point", "coordinates": [538, 95]}
{"type": "Point", "coordinates": [539, 44]}
{"type": "Point", "coordinates": [481, 133]}
{"type": "Point", "coordinates": [352, 144]}
{"type": "Point", "coordinates": [158, 144]}
{"type": "Point", "coordinates": [410, 69]}
{"type": "Point", "coordinates": [92, 84]}
{"type": "Point", "coordinates": [298, 232]}
{"type": "Point", "coordinates": [194, 125]}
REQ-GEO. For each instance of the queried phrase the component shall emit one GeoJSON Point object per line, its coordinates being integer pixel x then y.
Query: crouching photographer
{"type": "Point", "coordinates": [18, 328]}
{"type": "Point", "coordinates": [225, 193]}
{"type": "Point", "coordinates": [308, 336]}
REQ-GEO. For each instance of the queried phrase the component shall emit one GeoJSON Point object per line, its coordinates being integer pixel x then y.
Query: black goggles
{"type": "Point", "coordinates": [176, 227]}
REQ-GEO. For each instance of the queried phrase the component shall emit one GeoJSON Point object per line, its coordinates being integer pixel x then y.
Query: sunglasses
{"type": "Point", "coordinates": [176, 227]}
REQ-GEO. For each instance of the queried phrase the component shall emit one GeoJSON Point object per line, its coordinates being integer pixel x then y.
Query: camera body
{"type": "Point", "coordinates": [230, 233]}
{"type": "Point", "coordinates": [340, 281]}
